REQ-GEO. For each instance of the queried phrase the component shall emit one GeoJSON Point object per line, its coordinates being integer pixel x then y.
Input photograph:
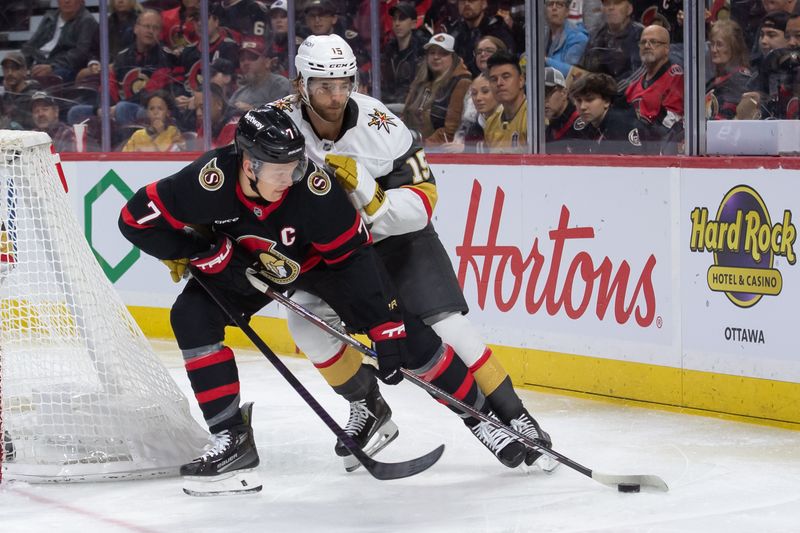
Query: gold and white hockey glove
{"type": "Point", "coordinates": [368, 195]}
{"type": "Point", "coordinates": [178, 268]}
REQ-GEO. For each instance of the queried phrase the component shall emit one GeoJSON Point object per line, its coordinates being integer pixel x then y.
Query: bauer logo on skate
{"type": "Point", "coordinates": [745, 244]}
{"type": "Point", "coordinates": [541, 277]}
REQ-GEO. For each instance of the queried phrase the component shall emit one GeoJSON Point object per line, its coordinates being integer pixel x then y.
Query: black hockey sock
{"type": "Point", "coordinates": [214, 377]}
{"type": "Point", "coordinates": [448, 372]}
{"type": "Point", "coordinates": [359, 386]}
{"type": "Point", "coordinates": [495, 383]}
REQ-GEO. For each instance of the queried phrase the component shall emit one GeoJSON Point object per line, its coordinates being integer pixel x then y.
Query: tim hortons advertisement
{"type": "Point", "coordinates": [563, 259]}
{"type": "Point", "coordinates": [740, 280]}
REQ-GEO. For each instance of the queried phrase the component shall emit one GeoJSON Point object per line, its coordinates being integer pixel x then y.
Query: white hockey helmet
{"type": "Point", "coordinates": [325, 56]}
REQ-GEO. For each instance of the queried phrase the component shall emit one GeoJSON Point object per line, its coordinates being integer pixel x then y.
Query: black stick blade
{"type": "Point", "coordinates": [387, 471]}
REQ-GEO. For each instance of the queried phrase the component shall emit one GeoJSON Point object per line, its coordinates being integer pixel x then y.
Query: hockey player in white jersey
{"type": "Point", "coordinates": [377, 160]}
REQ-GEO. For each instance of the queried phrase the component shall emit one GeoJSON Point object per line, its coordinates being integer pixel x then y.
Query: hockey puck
{"type": "Point", "coordinates": [629, 487]}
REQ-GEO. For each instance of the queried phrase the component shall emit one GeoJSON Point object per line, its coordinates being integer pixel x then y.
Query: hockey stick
{"type": "Point", "coordinates": [620, 482]}
{"type": "Point", "coordinates": [379, 470]}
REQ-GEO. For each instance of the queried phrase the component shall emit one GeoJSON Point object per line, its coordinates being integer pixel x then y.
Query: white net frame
{"type": "Point", "coordinates": [83, 396]}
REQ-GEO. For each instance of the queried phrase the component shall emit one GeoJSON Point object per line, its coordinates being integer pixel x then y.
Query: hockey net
{"type": "Point", "coordinates": [83, 395]}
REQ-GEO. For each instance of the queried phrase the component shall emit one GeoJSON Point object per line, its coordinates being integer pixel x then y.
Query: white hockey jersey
{"type": "Point", "coordinates": [385, 148]}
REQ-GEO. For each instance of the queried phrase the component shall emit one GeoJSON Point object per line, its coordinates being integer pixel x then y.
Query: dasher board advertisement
{"type": "Point", "coordinates": [740, 279]}
{"type": "Point", "coordinates": [566, 260]}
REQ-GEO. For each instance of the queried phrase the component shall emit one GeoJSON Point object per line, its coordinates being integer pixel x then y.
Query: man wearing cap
{"type": "Point", "coordinates": [559, 112]}
{"type": "Point", "coordinates": [402, 54]}
{"type": "Point", "coordinates": [771, 36]}
{"type": "Point", "coordinates": [63, 42]}
{"type": "Point", "coordinates": [44, 110]}
{"type": "Point", "coordinates": [472, 24]}
{"type": "Point", "coordinates": [775, 92]}
{"type": "Point", "coordinates": [614, 49]}
{"type": "Point", "coordinates": [258, 83]}
{"type": "Point", "coordinates": [17, 89]}
{"type": "Point", "coordinates": [657, 94]}
{"type": "Point", "coordinates": [277, 41]}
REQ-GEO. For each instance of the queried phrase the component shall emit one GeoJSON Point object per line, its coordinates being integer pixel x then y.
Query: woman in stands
{"type": "Point", "coordinates": [435, 99]}
{"type": "Point", "coordinates": [121, 21]}
{"type": "Point", "coordinates": [160, 135]}
{"type": "Point", "coordinates": [731, 61]}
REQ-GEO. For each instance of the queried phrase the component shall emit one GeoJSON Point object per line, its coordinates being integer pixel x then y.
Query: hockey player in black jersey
{"type": "Point", "coordinates": [265, 195]}
{"type": "Point", "coordinates": [376, 159]}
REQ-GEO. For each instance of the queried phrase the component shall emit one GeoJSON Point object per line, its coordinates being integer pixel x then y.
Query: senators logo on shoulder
{"type": "Point", "coordinates": [211, 176]}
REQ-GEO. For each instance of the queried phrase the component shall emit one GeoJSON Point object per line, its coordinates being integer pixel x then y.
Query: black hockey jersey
{"type": "Point", "coordinates": [313, 225]}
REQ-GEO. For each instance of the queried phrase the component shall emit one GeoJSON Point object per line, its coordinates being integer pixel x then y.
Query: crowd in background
{"type": "Point", "coordinates": [453, 70]}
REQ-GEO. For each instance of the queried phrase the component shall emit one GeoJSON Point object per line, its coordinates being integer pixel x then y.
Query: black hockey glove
{"type": "Point", "coordinates": [225, 264]}
{"type": "Point", "coordinates": [390, 345]}
{"type": "Point", "coordinates": [216, 258]}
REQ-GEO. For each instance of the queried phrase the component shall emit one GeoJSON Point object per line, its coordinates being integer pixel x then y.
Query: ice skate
{"type": "Point", "coordinates": [506, 448]}
{"type": "Point", "coordinates": [371, 427]}
{"type": "Point", "coordinates": [228, 464]}
{"type": "Point", "coordinates": [528, 426]}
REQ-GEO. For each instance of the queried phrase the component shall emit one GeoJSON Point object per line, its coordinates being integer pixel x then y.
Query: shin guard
{"type": "Point", "coordinates": [214, 378]}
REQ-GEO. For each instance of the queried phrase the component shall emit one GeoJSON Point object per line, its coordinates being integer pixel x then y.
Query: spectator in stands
{"type": "Point", "coordinates": [793, 31]}
{"type": "Point", "coordinates": [120, 24]}
{"type": "Point", "coordinates": [436, 96]}
{"type": "Point", "coordinates": [221, 46]}
{"type": "Point", "coordinates": [470, 136]}
{"type": "Point", "coordinates": [224, 118]}
{"type": "Point", "coordinates": [245, 17]}
{"type": "Point", "coordinates": [657, 94]}
{"type": "Point", "coordinates": [564, 41]}
{"type": "Point", "coordinates": [485, 48]}
{"type": "Point", "coordinates": [401, 56]}
{"type": "Point", "coordinates": [507, 131]}
{"type": "Point", "coordinates": [180, 25]}
{"type": "Point", "coordinates": [730, 60]}
{"type": "Point", "coordinates": [277, 40]}
{"type": "Point", "coordinates": [614, 49]}
{"type": "Point", "coordinates": [586, 13]}
{"type": "Point", "coordinates": [223, 73]}
{"type": "Point", "coordinates": [44, 110]}
{"type": "Point", "coordinates": [160, 134]}
{"type": "Point", "coordinates": [259, 85]}
{"type": "Point", "coordinates": [64, 41]}
{"type": "Point", "coordinates": [560, 113]}
{"type": "Point", "coordinates": [321, 18]}
{"type": "Point", "coordinates": [771, 36]}
{"type": "Point", "coordinates": [441, 15]}
{"type": "Point", "coordinates": [607, 129]}
{"type": "Point", "coordinates": [17, 89]}
{"type": "Point", "coordinates": [775, 92]}
{"type": "Point", "coordinates": [473, 23]}
{"type": "Point", "coordinates": [143, 66]}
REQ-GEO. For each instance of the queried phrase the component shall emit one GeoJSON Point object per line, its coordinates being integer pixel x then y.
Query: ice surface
{"type": "Point", "coordinates": [724, 476]}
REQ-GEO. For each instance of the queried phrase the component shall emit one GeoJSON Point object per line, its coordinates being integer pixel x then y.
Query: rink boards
{"type": "Point", "coordinates": [669, 281]}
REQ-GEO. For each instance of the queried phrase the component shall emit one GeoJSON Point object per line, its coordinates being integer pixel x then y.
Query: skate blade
{"type": "Point", "coordinates": [238, 482]}
{"type": "Point", "coordinates": [380, 440]}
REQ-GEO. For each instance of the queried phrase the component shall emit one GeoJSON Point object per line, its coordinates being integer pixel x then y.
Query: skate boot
{"type": "Point", "coordinates": [506, 448]}
{"type": "Point", "coordinates": [371, 427]}
{"type": "Point", "coordinates": [228, 464]}
{"type": "Point", "coordinates": [528, 426]}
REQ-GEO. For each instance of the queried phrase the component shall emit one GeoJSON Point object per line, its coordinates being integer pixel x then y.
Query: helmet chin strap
{"type": "Point", "coordinates": [252, 179]}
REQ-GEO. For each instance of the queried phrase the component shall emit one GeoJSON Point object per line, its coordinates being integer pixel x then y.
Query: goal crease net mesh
{"type": "Point", "coordinates": [83, 395]}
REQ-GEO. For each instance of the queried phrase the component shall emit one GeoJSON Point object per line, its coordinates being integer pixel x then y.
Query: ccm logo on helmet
{"type": "Point", "coordinates": [339, 65]}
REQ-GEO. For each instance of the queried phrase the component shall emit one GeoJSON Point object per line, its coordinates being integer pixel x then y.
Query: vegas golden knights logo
{"type": "Point", "coordinates": [211, 177]}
